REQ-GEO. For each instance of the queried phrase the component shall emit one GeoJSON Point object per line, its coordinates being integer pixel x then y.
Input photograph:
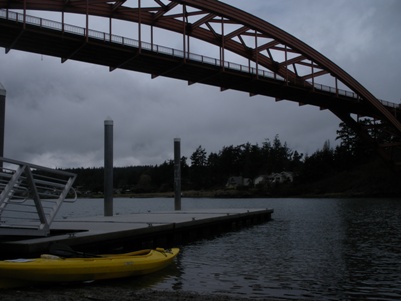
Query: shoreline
{"type": "Point", "coordinates": [235, 194]}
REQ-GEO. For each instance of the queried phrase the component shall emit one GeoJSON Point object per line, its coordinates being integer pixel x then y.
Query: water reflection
{"type": "Point", "coordinates": [372, 248]}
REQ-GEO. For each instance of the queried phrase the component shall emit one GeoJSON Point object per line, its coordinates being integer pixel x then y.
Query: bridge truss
{"type": "Point", "coordinates": [297, 68]}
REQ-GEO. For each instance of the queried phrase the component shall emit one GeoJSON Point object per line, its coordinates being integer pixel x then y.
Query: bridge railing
{"type": "Point", "coordinates": [30, 197]}
{"type": "Point", "coordinates": [106, 37]}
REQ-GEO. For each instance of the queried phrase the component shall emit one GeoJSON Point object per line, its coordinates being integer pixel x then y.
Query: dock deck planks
{"type": "Point", "coordinates": [150, 229]}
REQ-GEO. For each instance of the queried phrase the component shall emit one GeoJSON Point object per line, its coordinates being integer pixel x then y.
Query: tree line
{"type": "Point", "coordinates": [210, 171]}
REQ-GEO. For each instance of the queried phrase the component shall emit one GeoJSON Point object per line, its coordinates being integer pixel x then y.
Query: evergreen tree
{"type": "Point", "coordinates": [199, 157]}
{"type": "Point", "coordinates": [198, 169]}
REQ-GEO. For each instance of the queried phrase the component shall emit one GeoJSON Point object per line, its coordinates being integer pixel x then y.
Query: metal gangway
{"type": "Point", "coordinates": [31, 196]}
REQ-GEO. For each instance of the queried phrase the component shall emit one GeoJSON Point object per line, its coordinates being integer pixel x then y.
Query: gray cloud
{"type": "Point", "coordinates": [55, 111]}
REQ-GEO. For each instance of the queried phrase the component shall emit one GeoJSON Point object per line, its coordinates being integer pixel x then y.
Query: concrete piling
{"type": "Point", "coordinates": [2, 119]}
{"type": "Point", "coordinates": [177, 174]}
{"type": "Point", "coordinates": [108, 167]}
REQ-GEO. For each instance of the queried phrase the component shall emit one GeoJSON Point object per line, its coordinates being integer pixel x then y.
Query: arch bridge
{"type": "Point", "coordinates": [273, 62]}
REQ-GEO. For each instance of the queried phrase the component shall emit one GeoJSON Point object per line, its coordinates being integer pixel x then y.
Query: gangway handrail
{"type": "Point", "coordinates": [31, 196]}
{"type": "Point", "coordinates": [112, 38]}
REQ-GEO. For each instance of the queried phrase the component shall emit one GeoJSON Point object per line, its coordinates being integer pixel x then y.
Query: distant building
{"type": "Point", "coordinates": [281, 177]}
{"type": "Point", "coordinates": [273, 178]}
{"type": "Point", "coordinates": [262, 179]}
{"type": "Point", "coordinates": [234, 182]}
{"type": "Point", "coordinates": [277, 178]}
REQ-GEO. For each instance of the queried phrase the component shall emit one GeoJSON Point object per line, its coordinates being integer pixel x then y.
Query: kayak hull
{"type": "Point", "coordinates": [50, 268]}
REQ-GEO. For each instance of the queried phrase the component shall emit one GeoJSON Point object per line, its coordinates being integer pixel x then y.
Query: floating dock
{"type": "Point", "coordinates": [31, 196]}
{"type": "Point", "coordinates": [134, 231]}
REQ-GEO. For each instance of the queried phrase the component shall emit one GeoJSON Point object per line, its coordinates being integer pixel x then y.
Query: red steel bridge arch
{"type": "Point", "coordinates": [297, 67]}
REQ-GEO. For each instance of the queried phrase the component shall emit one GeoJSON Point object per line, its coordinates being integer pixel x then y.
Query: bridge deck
{"type": "Point", "coordinates": [52, 38]}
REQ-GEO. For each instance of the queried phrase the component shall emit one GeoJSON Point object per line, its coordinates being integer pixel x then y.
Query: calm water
{"type": "Point", "coordinates": [325, 249]}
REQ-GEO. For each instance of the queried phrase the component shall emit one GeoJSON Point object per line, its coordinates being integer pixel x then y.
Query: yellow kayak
{"type": "Point", "coordinates": [50, 268]}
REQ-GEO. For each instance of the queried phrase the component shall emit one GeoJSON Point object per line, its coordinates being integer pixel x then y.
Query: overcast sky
{"type": "Point", "coordinates": [55, 112]}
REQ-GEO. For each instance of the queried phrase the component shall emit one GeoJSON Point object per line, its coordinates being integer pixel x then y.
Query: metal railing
{"type": "Point", "coordinates": [31, 196]}
{"type": "Point", "coordinates": [106, 37]}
